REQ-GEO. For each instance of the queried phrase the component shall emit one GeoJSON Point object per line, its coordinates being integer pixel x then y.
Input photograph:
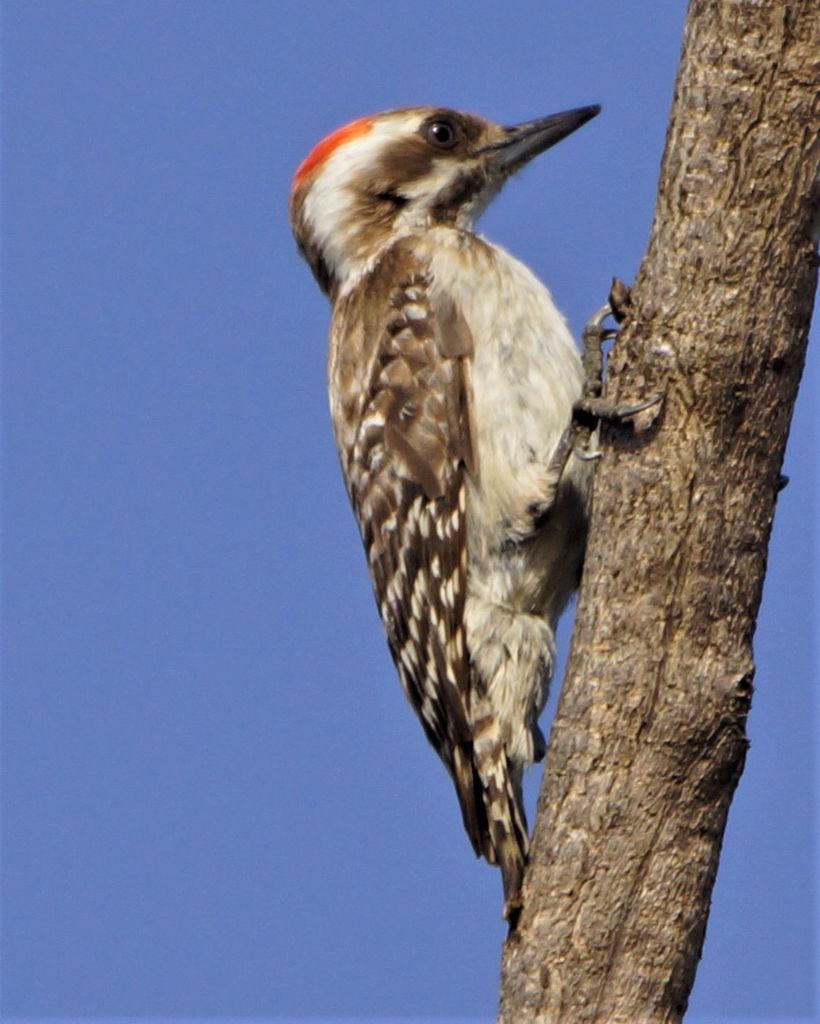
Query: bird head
{"type": "Point", "coordinates": [405, 171]}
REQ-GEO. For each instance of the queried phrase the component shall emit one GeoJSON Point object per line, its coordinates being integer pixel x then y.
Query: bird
{"type": "Point", "coordinates": [452, 379]}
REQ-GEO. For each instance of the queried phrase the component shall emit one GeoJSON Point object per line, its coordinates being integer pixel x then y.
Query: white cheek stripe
{"type": "Point", "coordinates": [327, 203]}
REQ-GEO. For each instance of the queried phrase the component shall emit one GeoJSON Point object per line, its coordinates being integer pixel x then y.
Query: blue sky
{"type": "Point", "coordinates": [216, 802]}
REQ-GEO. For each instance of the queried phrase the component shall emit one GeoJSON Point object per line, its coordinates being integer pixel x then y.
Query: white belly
{"type": "Point", "coordinates": [526, 374]}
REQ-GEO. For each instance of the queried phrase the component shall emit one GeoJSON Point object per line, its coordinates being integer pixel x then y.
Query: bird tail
{"type": "Point", "coordinates": [489, 791]}
{"type": "Point", "coordinates": [470, 797]}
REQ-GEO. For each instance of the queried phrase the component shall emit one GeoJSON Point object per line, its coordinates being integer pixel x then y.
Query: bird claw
{"type": "Point", "coordinates": [591, 408]}
{"type": "Point", "coordinates": [586, 455]}
{"type": "Point", "coordinates": [598, 408]}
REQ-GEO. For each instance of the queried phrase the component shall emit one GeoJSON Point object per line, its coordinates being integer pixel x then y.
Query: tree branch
{"type": "Point", "coordinates": [649, 739]}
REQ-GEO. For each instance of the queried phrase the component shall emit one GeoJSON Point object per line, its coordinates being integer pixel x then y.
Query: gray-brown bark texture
{"type": "Point", "coordinates": [649, 739]}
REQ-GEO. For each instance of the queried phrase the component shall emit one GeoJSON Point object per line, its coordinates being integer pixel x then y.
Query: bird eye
{"type": "Point", "coordinates": [441, 134]}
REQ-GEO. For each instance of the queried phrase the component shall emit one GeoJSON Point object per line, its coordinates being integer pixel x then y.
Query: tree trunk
{"type": "Point", "coordinates": [649, 739]}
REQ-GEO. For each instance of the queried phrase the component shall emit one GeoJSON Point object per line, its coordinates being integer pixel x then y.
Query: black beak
{"type": "Point", "coordinates": [524, 141]}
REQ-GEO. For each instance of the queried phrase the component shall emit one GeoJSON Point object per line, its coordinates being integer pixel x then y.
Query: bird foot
{"type": "Point", "coordinates": [597, 408]}
{"type": "Point", "coordinates": [591, 408]}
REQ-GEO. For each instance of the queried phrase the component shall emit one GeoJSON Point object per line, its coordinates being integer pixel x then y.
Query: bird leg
{"type": "Point", "coordinates": [592, 407]}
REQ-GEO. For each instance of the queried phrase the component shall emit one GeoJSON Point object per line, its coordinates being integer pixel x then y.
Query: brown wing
{"type": "Point", "coordinates": [406, 424]}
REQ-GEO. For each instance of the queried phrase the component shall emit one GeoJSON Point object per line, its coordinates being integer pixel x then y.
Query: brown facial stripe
{"type": "Point", "coordinates": [405, 162]}
{"type": "Point", "coordinates": [413, 158]}
{"type": "Point", "coordinates": [468, 184]}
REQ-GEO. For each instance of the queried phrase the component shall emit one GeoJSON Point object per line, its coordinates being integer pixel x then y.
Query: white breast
{"type": "Point", "coordinates": [526, 371]}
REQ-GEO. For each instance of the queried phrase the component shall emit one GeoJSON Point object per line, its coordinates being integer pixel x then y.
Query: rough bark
{"type": "Point", "coordinates": [649, 739]}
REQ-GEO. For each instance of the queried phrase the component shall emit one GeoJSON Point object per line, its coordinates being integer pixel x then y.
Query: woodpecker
{"type": "Point", "coordinates": [452, 380]}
